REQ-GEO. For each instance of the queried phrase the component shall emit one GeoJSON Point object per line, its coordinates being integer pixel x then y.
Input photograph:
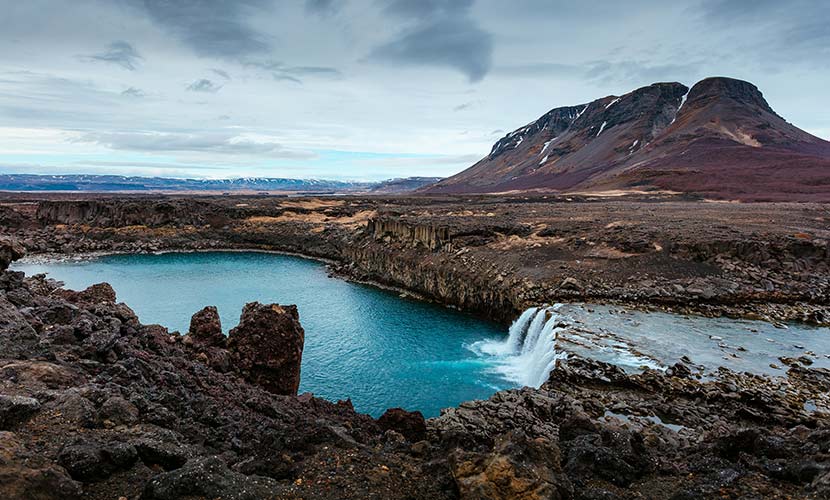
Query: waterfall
{"type": "Point", "coordinates": [529, 353]}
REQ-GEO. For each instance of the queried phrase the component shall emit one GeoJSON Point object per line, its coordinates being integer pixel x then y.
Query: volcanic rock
{"type": "Point", "coordinates": [516, 468]}
{"type": "Point", "coordinates": [26, 475]}
{"type": "Point", "coordinates": [10, 251]}
{"type": "Point", "coordinates": [267, 347]}
{"type": "Point", "coordinates": [206, 327]}
{"type": "Point", "coordinates": [209, 477]}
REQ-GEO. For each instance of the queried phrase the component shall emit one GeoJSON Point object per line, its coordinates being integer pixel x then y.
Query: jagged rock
{"type": "Point", "coordinates": [15, 410]}
{"type": "Point", "coordinates": [570, 284]}
{"type": "Point", "coordinates": [410, 424]}
{"type": "Point", "coordinates": [10, 251]}
{"type": "Point", "coordinates": [209, 477]}
{"type": "Point", "coordinates": [16, 333]}
{"type": "Point", "coordinates": [267, 347]}
{"type": "Point", "coordinates": [206, 327]}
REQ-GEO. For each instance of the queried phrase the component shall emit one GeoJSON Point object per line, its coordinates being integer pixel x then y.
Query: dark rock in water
{"type": "Point", "coordinates": [410, 424]}
{"type": "Point", "coordinates": [206, 327]}
{"type": "Point", "coordinates": [267, 347]}
{"type": "Point", "coordinates": [15, 410]}
{"type": "Point", "coordinates": [209, 477]}
{"type": "Point", "coordinates": [10, 251]}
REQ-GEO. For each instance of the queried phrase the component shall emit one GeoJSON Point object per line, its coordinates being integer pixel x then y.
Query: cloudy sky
{"type": "Point", "coordinates": [362, 89]}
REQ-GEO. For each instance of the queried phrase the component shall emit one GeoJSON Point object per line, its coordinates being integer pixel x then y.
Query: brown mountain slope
{"type": "Point", "coordinates": [720, 139]}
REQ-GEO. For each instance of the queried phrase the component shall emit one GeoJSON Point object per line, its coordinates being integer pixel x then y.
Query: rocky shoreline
{"type": "Point", "coordinates": [96, 405]}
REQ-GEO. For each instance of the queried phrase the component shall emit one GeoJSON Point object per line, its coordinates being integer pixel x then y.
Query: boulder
{"type": "Point", "coordinates": [15, 410]}
{"type": "Point", "coordinates": [267, 347]}
{"type": "Point", "coordinates": [119, 411]}
{"type": "Point", "coordinates": [169, 456]}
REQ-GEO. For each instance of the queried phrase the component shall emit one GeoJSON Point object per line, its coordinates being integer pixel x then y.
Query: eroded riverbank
{"type": "Point", "coordinates": [488, 255]}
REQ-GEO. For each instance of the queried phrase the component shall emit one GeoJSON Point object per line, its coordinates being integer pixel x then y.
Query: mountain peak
{"type": "Point", "coordinates": [723, 87]}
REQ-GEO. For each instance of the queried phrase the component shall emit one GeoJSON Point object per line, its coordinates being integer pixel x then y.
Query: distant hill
{"type": "Point", "coordinates": [408, 184]}
{"type": "Point", "coordinates": [720, 139]}
{"type": "Point", "coordinates": [110, 183]}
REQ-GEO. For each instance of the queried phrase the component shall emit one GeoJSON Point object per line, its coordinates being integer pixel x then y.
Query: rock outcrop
{"type": "Point", "coordinates": [206, 327]}
{"type": "Point", "coordinates": [267, 347]}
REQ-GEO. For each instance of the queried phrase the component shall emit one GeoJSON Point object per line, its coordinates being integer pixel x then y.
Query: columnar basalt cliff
{"type": "Point", "coordinates": [95, 405]}
{"type": "Point", "coordinates": [120, 213]}
{"type": "Point", "coordinates": [428, 235]}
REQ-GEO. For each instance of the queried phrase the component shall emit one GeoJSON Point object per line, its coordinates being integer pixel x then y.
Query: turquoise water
{"type": "Point", "coordinates": [361, 343]}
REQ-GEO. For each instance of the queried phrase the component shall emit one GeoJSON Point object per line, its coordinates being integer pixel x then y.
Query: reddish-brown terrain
{"type": "Point", "coordinates": [719, 139]}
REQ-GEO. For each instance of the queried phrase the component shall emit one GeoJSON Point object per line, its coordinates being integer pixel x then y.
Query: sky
{"type": "Point", "coordinates": [362, 89]}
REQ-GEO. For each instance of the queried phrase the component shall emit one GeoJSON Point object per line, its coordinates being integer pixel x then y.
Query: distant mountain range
{"type": "Point", "coordinates": [111, 183]}
{"type": "Point", "coordinates": [720, 139]}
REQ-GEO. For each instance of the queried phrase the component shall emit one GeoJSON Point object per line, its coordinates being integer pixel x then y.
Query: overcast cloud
{"type": "Point", "coordinates": [362, 89]}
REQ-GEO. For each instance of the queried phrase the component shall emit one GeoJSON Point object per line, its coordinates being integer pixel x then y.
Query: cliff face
{"type": "Point", "coordinates": [124, 213]}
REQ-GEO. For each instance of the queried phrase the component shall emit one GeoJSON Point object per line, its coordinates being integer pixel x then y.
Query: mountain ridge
{"type": "Point", "coordinates": [114, 183]}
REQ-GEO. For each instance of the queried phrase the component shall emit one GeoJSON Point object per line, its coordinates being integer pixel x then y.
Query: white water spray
{"type": "Point", "coordinates": [529, 353]}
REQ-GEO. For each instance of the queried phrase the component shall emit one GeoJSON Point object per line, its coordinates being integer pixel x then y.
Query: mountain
{"type": "Point", "coordinates": [405, 185]}
{"type": "Point", "coordinates": [719, 139]}
{"type": "Point", "coordinates": [113, 183]}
